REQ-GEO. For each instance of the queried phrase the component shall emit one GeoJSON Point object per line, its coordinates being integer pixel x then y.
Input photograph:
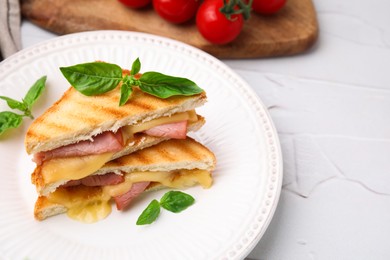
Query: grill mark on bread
{"type": "Point", "coordinates": [92, 111]}
{"type": "Point", "coordinates": [33, 135]}
{"type": "Point", "coordinates": [50, 126]}
{"type": "Point", "coordinates": [113, 112]}
{"type": "Point", "coordinates": [111, 97]}
{"type": "Point", "coordinates": [136, 158]}
{"type": "Point", "coordinates": [168, 156]}
{"type": "Point", "coordinates": [142, 105]}
{"type": "Point", "coordinates": [142, 158]}
{"type": "Point", "coordinates": [84, 117]}
{"type": "Point", "coordinates": [57, 126]}
{"type": "Point", "coordinates": [192, 149]}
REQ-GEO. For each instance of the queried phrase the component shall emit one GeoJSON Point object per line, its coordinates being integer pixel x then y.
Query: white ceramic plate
{"type": "Point", "coordinates": [226, 221]}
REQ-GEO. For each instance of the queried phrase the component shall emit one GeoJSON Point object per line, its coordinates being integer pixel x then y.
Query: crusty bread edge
{"type": "Point", "coordinates": [44, 208]}
{"type": "Point", "coordinates": [166, 167]}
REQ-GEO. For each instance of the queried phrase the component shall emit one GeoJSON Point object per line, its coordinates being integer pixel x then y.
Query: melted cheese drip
{"type": "Point", "coordinates": [73, 168]}
{"type": "Point", "coordinates": [91, 204]}
{"type": "Point", "coordinates": [91, 212]}
{"type": "Point", "coordinates": [84, 204]}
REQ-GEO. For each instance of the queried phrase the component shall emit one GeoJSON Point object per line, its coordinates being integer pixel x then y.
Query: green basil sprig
{"type": "Point", "coordinates": [150, 214]}
{"type": "Point", "coordinates": [174, 201]}
{"type": "Point", "coordinates": [10, 119]}
{"type": "Point", "coordinates": [93, 78]}
{"type": "Point", "coordinates": [96, 78]}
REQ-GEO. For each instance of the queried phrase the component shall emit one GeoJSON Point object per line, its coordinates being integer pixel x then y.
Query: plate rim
{"type": "Point", "coordinates": [266, 212]}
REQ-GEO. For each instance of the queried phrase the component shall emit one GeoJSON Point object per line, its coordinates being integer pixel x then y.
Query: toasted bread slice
{"type": "Point", "coordinates": [140, 141]}
{"type": "Point", "coordinates": [166, 156]}
{"type": "Point", "coordinates": [171, 156]}
{"type": "Point", "coordinates": [75, 117]}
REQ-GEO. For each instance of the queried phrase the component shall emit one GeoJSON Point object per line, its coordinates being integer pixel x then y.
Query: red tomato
{"type": "Point", "coordinates": [267, 6]}
{"type": "Point", "coordinates": [214, 26]}
{"type": "Point", "coordinates": [135, 3]}
{"type": "Point", "coordinates": [176, 11]}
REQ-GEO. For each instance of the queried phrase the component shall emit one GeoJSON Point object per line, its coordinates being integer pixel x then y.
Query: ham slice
{"type": "Point", "coordinates": [97, 180]}
{"type": "Point", "coordinates": [176, 130]}
{"type": "Point", "coordinates": [110, 142]}
{"type": "Point", "coordinates": [102, 143]}
{"type": "Point", "coordinates": [122, 201]}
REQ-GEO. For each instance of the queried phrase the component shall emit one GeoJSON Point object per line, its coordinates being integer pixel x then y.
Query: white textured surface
{"type": "Point", "coordinates": [331, 108]}
{"type": "Point", "coordinates": [226, 221]}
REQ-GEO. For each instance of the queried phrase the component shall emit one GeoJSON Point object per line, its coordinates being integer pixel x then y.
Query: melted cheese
{"type": "Point", "coordinates": [129, 131]}
{"type": "Point", "coordinates": [91, 212]}
{"type": "Point", "coordinates": [85, 204]}
{"type": "Point", "coordinates": [91, 204]}
{"type": "Point", "coordinates": [177, 179]}
{"type": "Point", "coordinates": [73, 168]}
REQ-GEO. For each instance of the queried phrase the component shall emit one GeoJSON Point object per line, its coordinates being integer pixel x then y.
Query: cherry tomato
{"type": "Point", "coordinates": [214, 26]}
{"type": "Point", "coordinates": [135, 3]}
{"type": "Point", "coordinates": [176, 11]}
{"type": "Point", "coordinates": [267, 6]}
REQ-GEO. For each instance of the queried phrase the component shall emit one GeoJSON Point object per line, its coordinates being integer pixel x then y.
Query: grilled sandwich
{"type": "Point", "coordinates": [79, 134]}
{"type": "Point", "coordinates": [175, 163]}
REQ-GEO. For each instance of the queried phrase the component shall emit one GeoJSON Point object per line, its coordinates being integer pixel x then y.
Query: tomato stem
{"type": "Point", "coordinates": [231, 7]}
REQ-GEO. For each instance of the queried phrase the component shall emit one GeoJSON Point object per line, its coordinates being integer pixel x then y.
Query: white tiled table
{"type": "Point", "coordinates": [331, 107]}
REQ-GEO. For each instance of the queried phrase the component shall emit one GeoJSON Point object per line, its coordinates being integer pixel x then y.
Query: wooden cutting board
{"type": "Point", "coordinates": [293, 30]}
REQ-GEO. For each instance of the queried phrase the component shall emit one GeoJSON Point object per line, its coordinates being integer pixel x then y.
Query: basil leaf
{"type": "Point", "coordinates": [150, 214]}
{"type": "Point", "coordinates": [14, 104]}
{"type": "Point", "coordinates": [176, 201]}
{"type": "Point", "coordinates": [35, 92]}
{"type": "Point", "coordinates": [126, 90]}
{"type": "Point", "coordinates": [164, 86]}
{"type": "Point", "coordinates": [9, 120]}
{"type": "Point", "coordinates": [136, 67]}
{"type": "Point", "coordinates": [93, 78]}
